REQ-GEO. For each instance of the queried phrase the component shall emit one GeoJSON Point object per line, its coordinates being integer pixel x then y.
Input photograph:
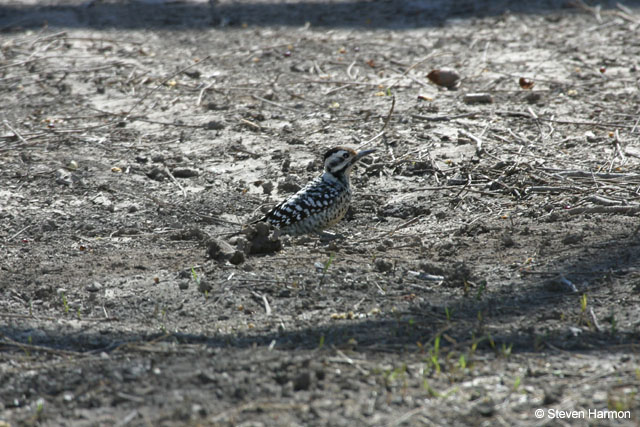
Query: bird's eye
{"type": "Point", "coordinates": [345, 155]}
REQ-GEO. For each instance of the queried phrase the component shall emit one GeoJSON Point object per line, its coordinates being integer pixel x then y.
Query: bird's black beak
{"type": "Point", "coordinates": [361, 154]}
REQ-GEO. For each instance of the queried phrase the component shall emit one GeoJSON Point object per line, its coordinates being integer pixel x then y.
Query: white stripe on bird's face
{"type": "Point", "coordinates": [339, 160]}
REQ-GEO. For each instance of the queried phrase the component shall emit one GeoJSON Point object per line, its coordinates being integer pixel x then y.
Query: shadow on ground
{"type": "Point", "coordinates": [349, 14]}
{"type": "Point", "coordinates": [483, 317]}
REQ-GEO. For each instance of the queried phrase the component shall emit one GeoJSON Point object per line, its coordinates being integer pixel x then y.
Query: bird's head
{"type": "Point", "coordinates": [339, 160]}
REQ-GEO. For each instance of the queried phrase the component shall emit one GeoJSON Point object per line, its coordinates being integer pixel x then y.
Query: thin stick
{"type": "Point", "coordinates": [443, 118]}
{"type": "Point", "coordinates": [341, 82]}
{"type": "Point", "coordinates": [406, 224]}
{"type": "Point", "coordinates": [61, 34]}
{"type": "Point", "coordinates": [250, 123]}
{"type": "Point", "coordinates": [163, 82]}
{"type": "Point", "coordinates": [15, 132]}
{"type": "Point", "coordinates": [617, 145]}
{"type": "Point", "coordinates": [204, 89]}
{"type": "Point", "coordinates": [267, 307]}
{"type": "Point", "coordinates": [432, 54]}
{"type": "Point", "coordinates": [595, 319]}
{"type": "Point", "coordinates": [606, 209]}
{"type": "Point", "coordinates": [56, 319]}
{"type": "Point", "coordinates": [265, 301]}
{"type": "Point", "coordinates": [635, 125]}
{"type": "Point", "coordinates": [386, 122]}
{"type": "Point", "coordinates": [476, 139]}
{"type": "Point", "coordinates": [175, 181]}
{"type": "Point", "coordinates": [564, 122]}
{"type": "Point", "coordinates": [591, 175]}
{"type": "Point", "coordinates": [336, 89]}
{"type": "Point", "coordinates": [24, 347]}
{"type": "Point", "coordinates": [284, 107]}
{"type": "Point", "coordinates": [349, 71]}
{"type": "Point", "coordinates": [18, 233]}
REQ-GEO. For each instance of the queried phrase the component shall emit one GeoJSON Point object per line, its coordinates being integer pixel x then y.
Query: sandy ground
{"type": "Point", "coordinates": [489, 266]}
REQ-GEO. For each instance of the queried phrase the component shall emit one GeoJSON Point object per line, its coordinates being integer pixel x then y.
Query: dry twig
{"type": "Point", "coordinates": [384, 126]}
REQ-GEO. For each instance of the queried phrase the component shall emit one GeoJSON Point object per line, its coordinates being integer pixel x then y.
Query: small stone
{"type": "Point", "coordinates": [214, 125]}
{"type": "Point", "coordinates": [158, 157]}
{"type": "Point", "coordinates": [552, 394]}
{"type": "Point", "coordinates": [286, 164]}
{"type": "Point", "coordinates": [261, 228]}
{"type": "Point", "coordinates": [288, 185]}
{"type": "Point", "coordinates": [103, 200]}
{"type": "Point", "coordinates": [198, 410]}
{"type": "Point", "coordinates": [571, 239]}
{"type": "Point", "coordinates": [93, 287]}
{"type": "Point", "coordinates": [486, 408]}
{"type": "Point", "coordinates": [590, 136]}
{"type": "Point", "coordinates": [267, 187]}
{"type": "Point", "coordinates": [192, 233]}
{"type": "Point", "coordinates": [478, 98]}
{"type": "Point", "coordinates": [237, 258]}
{"type": "Point", "coordinates": [220, 250]}
{"type": "Point", "coordinates": [441, 215]}
{"type": "Point", "coordinates": [63, 177]}
{"type": "Point", "coordinates": [302, 381]}
{"type": "Point", "coordinates": [533, 97]}
{"type": "Point", "coordinates": [332, 246]}
{"type": "Point", "coordinates": [206, 377]}
{"type": "Point", "coordinates": [286, 128]}
{"type": "Point", "coordinates": [507, 241]}
{"type": "Point", "coordinates": [157, 174]}
{"type": "Point", "coordinates": [261, 239]}
{"type": "Point", "coordinates": [240, 392]}
{"type": "Point", "coordinates": [204, 285]}
{"type": "Point", "coordinates": [183, 285]}
{"type": "Point", "coordinates": [241, 243]}
{"type": "Point", "coordinates": [194, 74]}
{"type": "Point", "coordinates": [433, 269]}
{"type": "Point", "coordinates": [185, 172]}
{"type": "Point", "coordinates": [445, 77]}
{"type": "Point", "coordinates": [383, 266]}
{"type": "Point", "coordinates": [269, 95]}
{"type": "Point", "coordinates": [287, 389]}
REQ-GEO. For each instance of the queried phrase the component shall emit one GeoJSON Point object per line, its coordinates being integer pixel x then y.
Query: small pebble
{"type": "Point", "coordinates": [185, 172]}
{"type": "Point", "coordinates": [63, 177]}
{"type": "Point", "coordinates": [445, 77]}
{"type": "Point", "coordinates": [478, 98]}
{"type": "Point", "coordinates": [204, 285]}
{"type": "Point", "coordinates": [383, 266]}
{"type": "Point", "coordinates": [93, 287]}
{"type": "Point", "coordinates": [214, 125]}
{"type": "Point", "coordinates": [267, 187]}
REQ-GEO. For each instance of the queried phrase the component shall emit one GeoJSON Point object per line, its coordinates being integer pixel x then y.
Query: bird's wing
{"type": "Point", "coordinates": [317, 196]}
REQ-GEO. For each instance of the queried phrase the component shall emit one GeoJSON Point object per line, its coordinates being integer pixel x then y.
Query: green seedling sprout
{"type": "Point", "coordinates": [326, 266]}
{"type": "Point", "coordinates": [65, 304]}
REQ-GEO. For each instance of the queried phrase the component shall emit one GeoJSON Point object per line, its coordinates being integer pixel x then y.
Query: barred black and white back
{"type": "Point", "coordinates": [324, 201]}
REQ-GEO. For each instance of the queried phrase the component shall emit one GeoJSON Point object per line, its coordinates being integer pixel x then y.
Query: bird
{"type": "Point", "coordinates": [323, 202]}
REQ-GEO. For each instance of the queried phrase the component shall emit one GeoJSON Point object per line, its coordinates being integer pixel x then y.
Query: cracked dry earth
{"type": "Point", "coordinates": [490, 264]}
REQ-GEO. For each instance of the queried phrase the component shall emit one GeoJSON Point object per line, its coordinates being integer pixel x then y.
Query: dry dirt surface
{"type": "Point", "coordinates": [488, 269]}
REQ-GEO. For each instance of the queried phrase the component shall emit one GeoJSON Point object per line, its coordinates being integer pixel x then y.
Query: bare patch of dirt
{"type": "Point", "coordinates": [489, 265]}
